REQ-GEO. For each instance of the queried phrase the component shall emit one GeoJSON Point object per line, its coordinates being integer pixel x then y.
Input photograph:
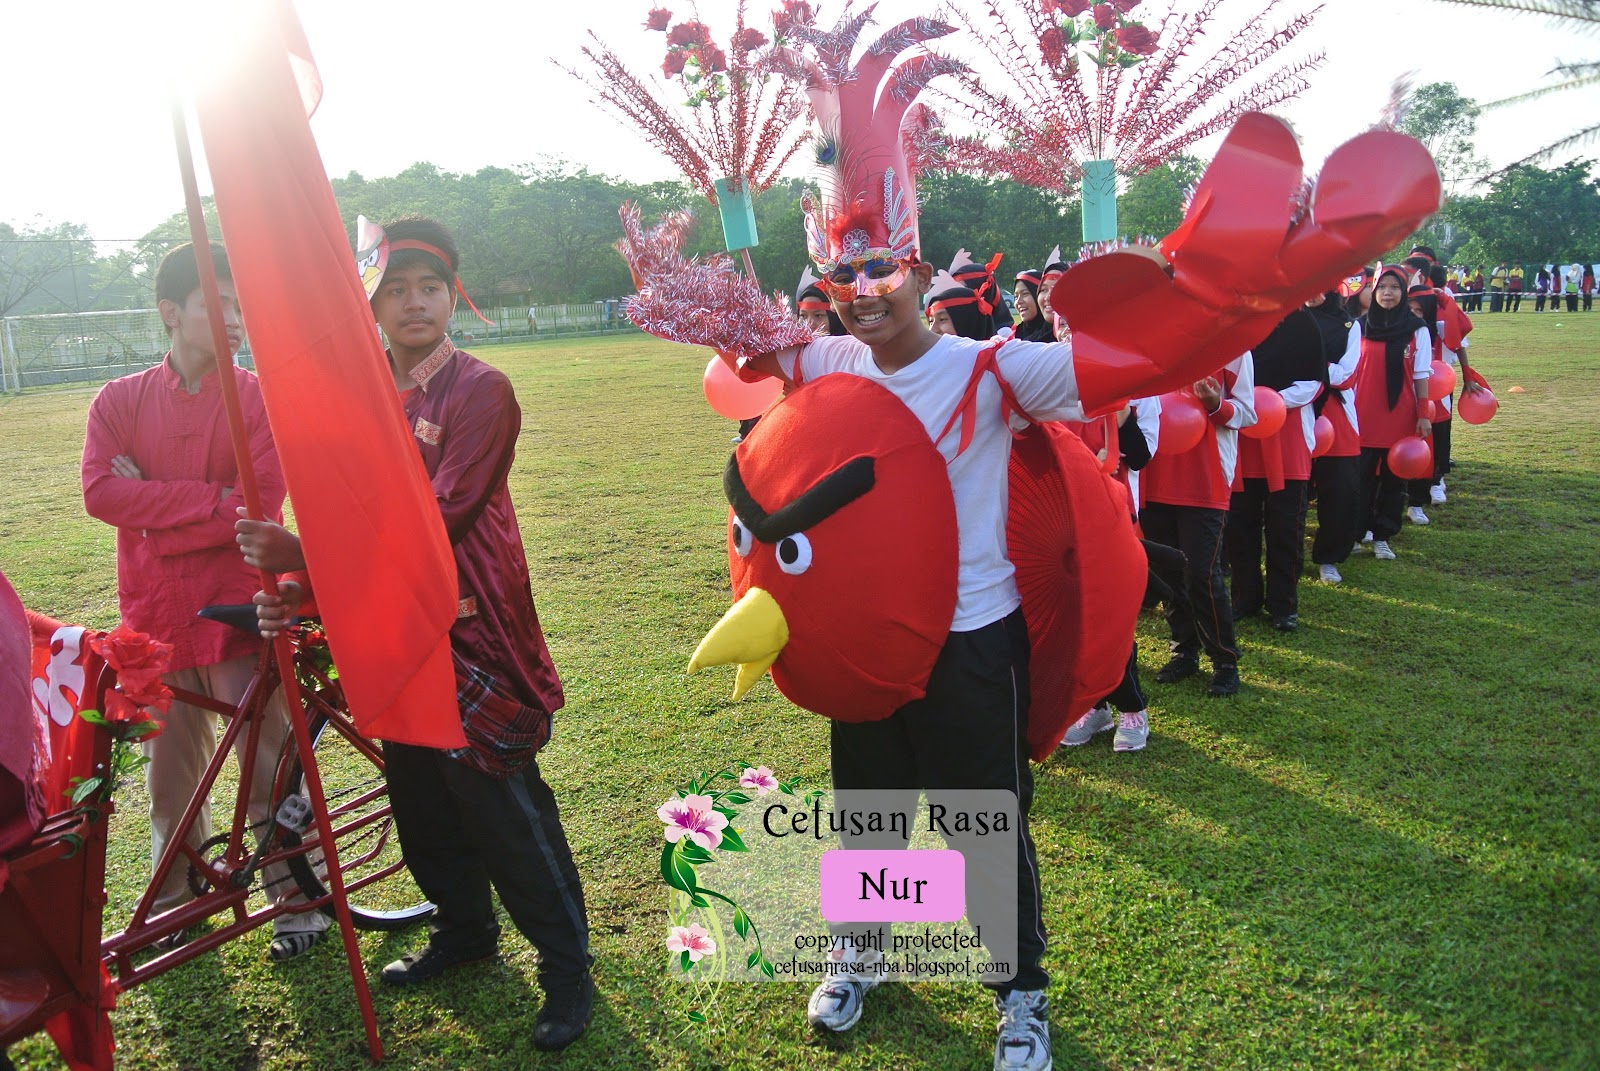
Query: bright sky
{"type": "Point", "coordinates": [471, 83]}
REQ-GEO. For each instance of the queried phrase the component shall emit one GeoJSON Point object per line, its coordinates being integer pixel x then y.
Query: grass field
{"type": "Point", "coordinates": [1381, 854]}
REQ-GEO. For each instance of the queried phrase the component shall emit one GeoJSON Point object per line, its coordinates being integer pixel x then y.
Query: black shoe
{"type": "Point", "coordinates": [1224, 682]}
{"type": "Point", "coordinates": [1286, 623]}
{"type": "Point", "coordinates": [565, 1015]}
{"type": "Point", "coordinates": [1179, 667]}
{"type": "Point", "coordinates": [431, 962]}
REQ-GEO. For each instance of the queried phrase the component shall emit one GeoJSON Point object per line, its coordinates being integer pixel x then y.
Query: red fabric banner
{"type": "Point", "coordinates": [373, 538]}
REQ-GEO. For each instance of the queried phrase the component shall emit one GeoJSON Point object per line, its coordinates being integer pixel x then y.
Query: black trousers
{"type": "Point", "coordinates": [1514, 300]}
{"type": "Point", "coordinates": [1495, 297]}
{"type": "Point", "coordinates": [1341, 516]}
{"type": "Point", "coordinates": [1538, 302]}
{"type": "Point", "coordinates": [969, 731]}
{"type": "Point", "coordinates": [462, 830]}
{"type": "Point", "coordinates": [1572, 302]}
{"type": "Point", "coordinates": [1252, 512]}
{"type": "Point", "coordinates": [1417, 490]}
{"type": "Point", "coordinates": [1383, 494]}
{"type": "Point", "coordinates": [1588, 302]}
{"type": "Point", "coordinates": [1128, 698]}
{"type": "Point", "coordinates": [1200, 616]}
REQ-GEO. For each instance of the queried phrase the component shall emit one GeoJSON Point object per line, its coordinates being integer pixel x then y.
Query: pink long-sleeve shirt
{"type": "Point", "coordinates": [175, 540]}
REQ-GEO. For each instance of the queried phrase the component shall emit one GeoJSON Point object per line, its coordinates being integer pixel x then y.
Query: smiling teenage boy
{"type": "Point", "coordinates": [480, 815]}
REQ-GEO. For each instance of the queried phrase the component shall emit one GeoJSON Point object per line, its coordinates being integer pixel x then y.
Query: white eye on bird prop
{"type": "Point", "coordinates": [794, 554]}
{"type": "Point", "coordinates": [742, 539]}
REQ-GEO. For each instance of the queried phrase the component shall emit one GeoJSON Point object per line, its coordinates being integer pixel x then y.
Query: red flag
{"type": "Point", "coordinates": [373, 538]}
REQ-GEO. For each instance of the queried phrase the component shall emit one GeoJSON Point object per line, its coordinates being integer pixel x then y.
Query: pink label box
{"type": "Point", "coordinates": [920, 885]}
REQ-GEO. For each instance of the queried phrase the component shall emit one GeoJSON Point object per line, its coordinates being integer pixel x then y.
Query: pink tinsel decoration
{"type": "Point", "coordinates": [703, 302]}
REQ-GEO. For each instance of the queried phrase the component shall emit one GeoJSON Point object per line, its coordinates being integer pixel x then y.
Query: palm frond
{"type": "Point", "coordinates": [1579, 10]}
{"type": "Point", "coordinates": [1539, 156]}
{"type": "Point", "coordinates": [1590, 78]}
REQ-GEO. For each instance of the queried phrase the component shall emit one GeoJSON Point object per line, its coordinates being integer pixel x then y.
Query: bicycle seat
{"type": "Point", "coordinates": [241, 617]}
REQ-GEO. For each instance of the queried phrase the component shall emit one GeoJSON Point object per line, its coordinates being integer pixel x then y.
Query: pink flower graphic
{"type": "Point", "coordinates": [694, 817]}
{"type": "Point", "coordinates": [759, 780]}
{"type": "Point", "coordinates": [693, 940]}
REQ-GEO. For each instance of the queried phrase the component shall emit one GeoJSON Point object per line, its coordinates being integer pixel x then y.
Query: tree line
{"type": "Point", "coordinates": [547, 229]}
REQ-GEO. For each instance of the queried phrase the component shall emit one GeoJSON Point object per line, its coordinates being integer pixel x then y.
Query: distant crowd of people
{"type": "Point", "coordinates": [1506, 284]}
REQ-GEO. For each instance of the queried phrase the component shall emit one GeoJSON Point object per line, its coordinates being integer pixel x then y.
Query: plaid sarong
{"type": "Point", "coordinates": [503, 734]}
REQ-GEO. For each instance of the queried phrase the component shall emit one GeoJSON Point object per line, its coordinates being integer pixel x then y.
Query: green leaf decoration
{"type": "Point", "coordinates": [93, 717]}
{"type": "Point", "coordinates": [731, 841]}
{"type": "Point", "coordinates": [699, 901]}
{"type": "Point", "coordinates": [735, 798]}
{"type": "Point", "coordinates": [676, 871]}
{"type": "Point", "coordinates": [74, 841]}
{"type": "Point", "coordinates": [696, 1017]}
{"type": "Point", "coordinates": [755, 958]}
{"type": "Point", "coordinates": [741, 922]}
{"type": "Point", "coordinates": [696, 854]}
{"type": "Point", "coordinates": [767, 968]}
{"type": "Point", "coordinates": [85, 788]}
{"type": "Point", "coordinates": [683, 961]}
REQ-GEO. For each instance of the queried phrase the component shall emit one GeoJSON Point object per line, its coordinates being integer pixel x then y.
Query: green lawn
{"type": "Point", "coordinates": [1381, 854]}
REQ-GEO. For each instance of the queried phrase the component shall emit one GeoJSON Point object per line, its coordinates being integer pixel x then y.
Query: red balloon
{"type": "Point", "coordinates": [733, 397]}
{"type": "Point", "coordinates": [1411, 458]}
{"type": "Point", "coordinates": [1477, 406]}
{"type": "Point", "coordinates": [1323, 430]}
{"type": "Point", "coordinates": [1183, 422]}
{"type": "Point", "coordinates": [1270, 414]}
{"type": "Point", "coordinates": [1430, 409]}
{"type": "Point", "coordinates": [1442, 382]}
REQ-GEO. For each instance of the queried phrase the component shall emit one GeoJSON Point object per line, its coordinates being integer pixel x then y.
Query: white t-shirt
{"type": "Point", "coordinates": [1040, 375]}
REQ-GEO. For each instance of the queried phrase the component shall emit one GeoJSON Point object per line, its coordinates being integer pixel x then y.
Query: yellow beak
{"type": "Point", "coordinates": [752, 633]}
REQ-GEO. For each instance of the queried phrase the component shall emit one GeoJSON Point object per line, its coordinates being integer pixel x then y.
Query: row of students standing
{"type": "Point", "coordinates": [1213, 514]}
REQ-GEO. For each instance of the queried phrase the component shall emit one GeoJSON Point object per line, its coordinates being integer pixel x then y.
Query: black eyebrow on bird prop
{"type": "Point", "coordinates": [826, 497]}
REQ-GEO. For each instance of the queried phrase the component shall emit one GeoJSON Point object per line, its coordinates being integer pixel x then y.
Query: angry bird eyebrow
{"type": "Point", "coordinates": [822, 500]}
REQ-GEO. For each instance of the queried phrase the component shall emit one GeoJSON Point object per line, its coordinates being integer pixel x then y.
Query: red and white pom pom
{"type": "Point", "coordinates": [703, 302]}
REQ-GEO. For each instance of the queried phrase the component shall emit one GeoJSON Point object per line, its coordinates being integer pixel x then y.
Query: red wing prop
{"type": "Point", "coordinates": [1081, 572]}
{"type": "Point", "coordinates": [1240, 261]}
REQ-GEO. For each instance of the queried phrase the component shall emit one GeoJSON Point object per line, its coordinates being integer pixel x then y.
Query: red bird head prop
{"type": "Point", "coordinates": [842, 549]}
{"type": "Point", "coordinates": [1251, 248]}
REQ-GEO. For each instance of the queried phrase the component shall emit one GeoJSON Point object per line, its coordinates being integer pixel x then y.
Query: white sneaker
{"type": "Point", "coordinates": [835, 1004]}
{"type": "Point", "coordinates": [1416, 516]}
{"type": "Point", "coordinates": [1436, 494]}
{"type": "Point", "coordinates": [1024, 1041]}
{"type": "Point", "coordinates": [1084, 729]}
{"type": "Point", "coordinates": [1330, 574]}
{"type": "Point", "coordinates": [1359, 548]}
{"type": "Point", "coordinates": [1381, 551]}
{"type": "Point", "coordinates": [1132, 731]}
{"type": "Point", "coordinates": [1367, 538]}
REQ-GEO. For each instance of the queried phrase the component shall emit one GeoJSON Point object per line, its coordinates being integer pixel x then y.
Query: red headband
{"type": "Point", "coordinates": [954, 302]}
{"type": "Point", "coordinates": [813, 305]}
{"type": "Point", "coordinates": [412, 243]}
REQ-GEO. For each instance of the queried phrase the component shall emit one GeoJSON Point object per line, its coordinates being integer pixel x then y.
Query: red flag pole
{"type": "Point", "coordinates": [269, 583]}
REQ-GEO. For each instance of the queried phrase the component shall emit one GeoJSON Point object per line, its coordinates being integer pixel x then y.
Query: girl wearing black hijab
{"type": "Point", "coordinates": [1391, 385]}
{"type": "Point", "coordinates": [1034, 324]}
{"type": "Point", "coordinates": [1337, 473]}
{"type": "Point", "coordinates": [1270, 481]}
{"type": "Point", "coordinates": [979, 278]}
{"type": "Point", "coordinates": [955, 309]}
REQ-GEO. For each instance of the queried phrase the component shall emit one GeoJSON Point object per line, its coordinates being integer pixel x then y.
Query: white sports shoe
{"type": "Point", "coordinates": [1329, 574]}
{"type": "Point", "coordinates": [1416, 516]}
{"type": "Point", "coordinates": [1381, 551]}
{"type": "Point", "coordinates": [1367, 538]}
{"type": "Point", "coordinates": [835, 1004]}
{"type": "Point", "coordinates": [1132, 732]}
{"type": "Point", "coordinates": [1024, 1041]}
{"type": "Point", "coordinates": [1085, 728]}
{"type": "Point", "coordinates": [1436, 494]}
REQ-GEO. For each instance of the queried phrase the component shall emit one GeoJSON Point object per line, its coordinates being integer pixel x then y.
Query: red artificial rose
{"type": "Point", "coordinates": [138, 661]}
{"type": "Point", "coordinates": [689, 33]}
{"type": "Point", "coordinates": [1053, 45]}
{"type": "Point", "coordinates": [714, 58]}
{"type": "Point", "coordinates": [1136, 39]}
{"type": "Point", "coordinates": [658, 19]}
{"type": "Point", "coordinates": [1105, 16]}
{"type": "Point", "coordinates": [1070, 8]}
{"type": "Point", "coordinates": [748, 40]}
{"type": "Point", "coordinates": [672, 66]}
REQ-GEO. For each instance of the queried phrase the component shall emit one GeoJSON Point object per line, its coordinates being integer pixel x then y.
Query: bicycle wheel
{"type": "Point", "coordinates": [379, 888]}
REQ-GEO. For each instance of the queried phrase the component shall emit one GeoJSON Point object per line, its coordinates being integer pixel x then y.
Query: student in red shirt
{"type": "Point", "coordinates": [1186, 500]}
{"type": "Point", "coordinates": [158, 464]}
{"type": "Point", "coordinates": [1391, 385]}
{"type": "Point", "coordinates": [482, 815]}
